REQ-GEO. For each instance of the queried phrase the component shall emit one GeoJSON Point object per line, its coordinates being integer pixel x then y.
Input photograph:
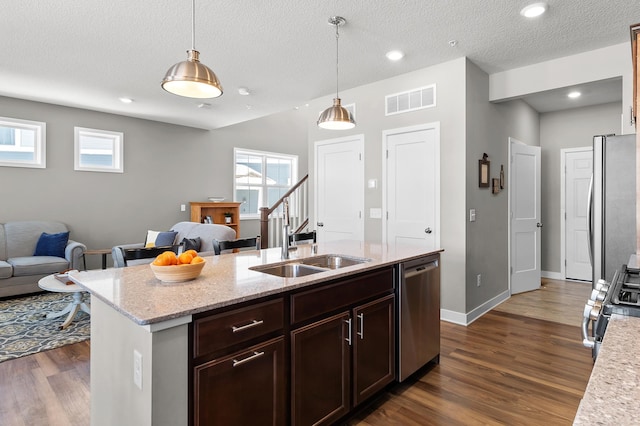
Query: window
{"type": "Point", "coordinates": [22, 143]}
{"type": "Point", "coordinates": [98, 150]}
{"type": "Point", "coordinates": [261, 178]}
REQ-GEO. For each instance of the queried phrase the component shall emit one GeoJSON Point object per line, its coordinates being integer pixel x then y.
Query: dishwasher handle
{"type": "Point", "coordinates": [421, 269]}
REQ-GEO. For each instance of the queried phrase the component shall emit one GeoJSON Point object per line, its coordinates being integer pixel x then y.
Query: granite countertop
{"type": "Point", "coordinates": [613, 392]}
{"type": "Point", "coordinates": [225, 280]}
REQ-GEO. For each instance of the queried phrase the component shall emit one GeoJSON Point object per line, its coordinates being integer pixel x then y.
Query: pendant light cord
{"type": "Point", "coordinates": [193, 24]}
{"type": "Point", "coordinates": [337, 37]}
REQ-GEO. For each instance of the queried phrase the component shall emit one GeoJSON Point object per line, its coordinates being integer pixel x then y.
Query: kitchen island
{"type": "Point", "coordinates": [613, 391]}
{"type": "Point", "coordinates": [155, 345]}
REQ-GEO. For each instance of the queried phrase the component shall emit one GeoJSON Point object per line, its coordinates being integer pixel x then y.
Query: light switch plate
{"type": "Point", "coordinates": [472, 215]}
{"type": "Point", "coordinates": [375, 213]}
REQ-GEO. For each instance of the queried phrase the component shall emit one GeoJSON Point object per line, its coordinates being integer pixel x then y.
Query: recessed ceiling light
{"type": "Point", "coordinates": [533, 10]}
{"type": "Point", "coordinates": [243, 91]}
{"type": "Point", "coordinates": [395, 55]}
{"type": "Point", "coordinates": [574, 95]}
{"type": "Point", "coordinates": [126, 100]}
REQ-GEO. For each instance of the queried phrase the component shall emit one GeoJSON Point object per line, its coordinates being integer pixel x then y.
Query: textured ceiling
{"type": "Point", "coordinates": [88, 53]}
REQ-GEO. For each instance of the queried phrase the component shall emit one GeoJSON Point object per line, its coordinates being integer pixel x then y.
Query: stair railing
{"type": "Point", "coordinates": [271, 219]}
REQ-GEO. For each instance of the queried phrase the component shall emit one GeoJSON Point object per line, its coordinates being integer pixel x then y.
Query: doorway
{"type": "Point", "coordinates": [525, 225]}
{"type": "Point", "coordinates": [576, 169]}
{"type": "Point", "coordinates": [411, 193]}
{"type": "Point", "coordinates": [339, 188]}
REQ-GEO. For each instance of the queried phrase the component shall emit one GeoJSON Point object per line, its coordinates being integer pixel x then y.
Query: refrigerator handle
{"type": "Point", "coordinates": [590, 218]}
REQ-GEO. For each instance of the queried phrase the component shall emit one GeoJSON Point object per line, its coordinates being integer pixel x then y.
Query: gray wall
{"type": "Point", "coordinates": [371, 121]}
{"type": "Point", "coordinates": [489, 127]}
{"type": "Point", "coordinates": [572, 128]}
{"type": "Point", "coordinates": [165, 166]}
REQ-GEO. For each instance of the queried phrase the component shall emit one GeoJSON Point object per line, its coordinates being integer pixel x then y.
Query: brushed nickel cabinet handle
{"type": "Point", "coordinates": [348, 339]}
{"type": "Point", "coordinates": [247, 359]}
{"type": "Point", "coordinates": [252, 324]}
{"type": "Point", "coordinates": [361, 332]}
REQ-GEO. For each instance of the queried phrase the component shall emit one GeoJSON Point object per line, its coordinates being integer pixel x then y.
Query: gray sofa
{"type": "Point", "coordinates": [20, 270]}
{"type": "Point", "coordinates": [206, 232]}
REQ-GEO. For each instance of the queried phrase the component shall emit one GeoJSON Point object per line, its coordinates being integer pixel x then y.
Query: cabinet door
{"type": "Point", "coordinates": [320, 371]}
{"type": "Point", "coordinates": [373, 347]}
{"type": "Point", "coordinates": [246, 388]}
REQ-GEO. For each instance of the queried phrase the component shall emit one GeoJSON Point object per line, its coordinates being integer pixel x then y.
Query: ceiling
{"type": "Point", "coordinates": [89, 53]}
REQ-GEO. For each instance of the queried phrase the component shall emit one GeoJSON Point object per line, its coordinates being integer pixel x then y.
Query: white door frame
{"type": "Point", "coordinates": [385, 136]}
{"type": "Point", "coordinates": [563, 204]}
{"type": "Point", "coordinates": [316, 144]}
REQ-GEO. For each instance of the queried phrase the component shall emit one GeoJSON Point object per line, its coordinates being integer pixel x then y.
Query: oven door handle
{"type": "Point", "coordinates": [587, 341]}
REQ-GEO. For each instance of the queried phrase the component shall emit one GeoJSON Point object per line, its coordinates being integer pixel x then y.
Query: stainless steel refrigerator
{"type": "Point", "coordinates": [612, 204]}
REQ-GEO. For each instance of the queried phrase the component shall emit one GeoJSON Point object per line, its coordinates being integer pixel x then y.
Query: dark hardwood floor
{"type": "Point", "coordinates": [503, 369]}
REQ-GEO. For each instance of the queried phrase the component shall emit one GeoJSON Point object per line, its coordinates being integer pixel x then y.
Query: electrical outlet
{"type": "Point", "coordinates": [478, 280]}
{"type": "Point", "coordinates": [137, 369]}
{"type": "Point", "coordinates": [183, 208]}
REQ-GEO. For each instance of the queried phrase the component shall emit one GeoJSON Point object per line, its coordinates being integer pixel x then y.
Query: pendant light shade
{"type": "Point", "coordinates": [191, 78]}
{"type": "Point", "coordinates": [336, 117]}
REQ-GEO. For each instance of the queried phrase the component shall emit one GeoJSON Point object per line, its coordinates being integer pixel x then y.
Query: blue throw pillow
{"type": "Point", "coordinates": [166, 239]}
{"type": "Point", "coordinates": [52, 244]}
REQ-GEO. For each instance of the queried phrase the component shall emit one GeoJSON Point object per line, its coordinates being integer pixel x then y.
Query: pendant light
{"type": "Point", "coordinates": [191, 78]}
{"type": "Point", "coordinates": [336, 117]}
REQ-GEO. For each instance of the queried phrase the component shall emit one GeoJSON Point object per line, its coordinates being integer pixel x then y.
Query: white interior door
{"type": "Point", "coordinates": [339, 189]}
{"type": "Point", "coordinates": [578, 168]}
{"type": "Point", "coordinates": [524, 196]}
{"type": "Point", "coordinates": [412, 186]}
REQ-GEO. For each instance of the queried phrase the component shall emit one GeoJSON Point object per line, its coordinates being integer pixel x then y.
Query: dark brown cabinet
{"type": "Point", "coordinates": [244, 388]}
{"type": "Point", "coordinates": [373, 348]}
{"type": "Point", "coordinates": [240, 366]}
{"type": "Point", "coordinates": [339, 361]}
{"type": "Point", "coordinates": [320, 371]}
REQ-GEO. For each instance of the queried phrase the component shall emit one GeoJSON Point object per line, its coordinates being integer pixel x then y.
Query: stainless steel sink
{"type": "Point", "coordinates": [289, 270]}
{"type": "Point", "coordinates": [310, 265]}
{"type": "Point", "coordinates": [333, 261]}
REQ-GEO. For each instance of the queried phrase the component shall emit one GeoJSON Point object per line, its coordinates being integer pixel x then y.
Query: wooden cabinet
{"type": "Point", "coordinates": [244, 388]}
{"type": "Point", "coordinates": [342, 358]}
{"type": "Point", "coordinates": [240, 366]}
{"type": "Point", "coordinates": [216, 211]}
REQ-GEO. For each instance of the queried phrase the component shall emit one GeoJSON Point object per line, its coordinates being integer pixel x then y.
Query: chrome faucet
{"type": "Point", "coordinates": [285, 228]}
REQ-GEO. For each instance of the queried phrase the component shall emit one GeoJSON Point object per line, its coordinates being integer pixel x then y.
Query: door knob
{"type": "Point", "coordinates": [427, 231]}
{"type": "Point", "coordinates": [539, 225]}
{"type": "Point", "coordinates": [320, 224]}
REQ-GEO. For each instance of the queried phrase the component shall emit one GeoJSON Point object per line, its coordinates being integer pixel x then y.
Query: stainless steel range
{"type": "Point", "coordinates": [621, 296]}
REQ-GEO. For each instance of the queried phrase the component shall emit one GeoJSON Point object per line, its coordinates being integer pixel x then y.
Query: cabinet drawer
{"type": "Point", "coordinates": [309, 304]}
{"type": "Point", "coordinates": [229, 328]}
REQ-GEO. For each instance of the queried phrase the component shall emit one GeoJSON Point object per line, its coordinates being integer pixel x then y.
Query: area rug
{"type": "Point", "coordinates": [25, 329]}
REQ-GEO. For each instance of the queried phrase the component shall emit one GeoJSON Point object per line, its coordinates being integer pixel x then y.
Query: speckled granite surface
{"type": "Point", "coordinates": [225, 280]}
{"type": "Point", "coordinates": [612, 396]}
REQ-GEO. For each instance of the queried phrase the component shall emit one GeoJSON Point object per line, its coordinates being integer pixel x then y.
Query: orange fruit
{"type": "Point", "coordinates": [160, 261]}
{"type": "Point", "coordinates": [170, 257]}
{"type": "Point", "coordinates": [185, 258]}
{"type": "Point", "coordinates": [193, 253]}
{"type": "Point", "coordinates": [197, 259]}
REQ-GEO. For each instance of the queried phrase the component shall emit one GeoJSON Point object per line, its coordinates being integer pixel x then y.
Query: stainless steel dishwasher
{"type": "Point", "coordinates": [418, 314]}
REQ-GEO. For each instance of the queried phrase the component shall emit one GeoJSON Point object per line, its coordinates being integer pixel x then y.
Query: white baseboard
{"type": "Point", "coordinates": [468, 318]}
{"type": "Point", "coordinates": [552, 275]}
{"type": "Point", "coordinates": [453, 316]}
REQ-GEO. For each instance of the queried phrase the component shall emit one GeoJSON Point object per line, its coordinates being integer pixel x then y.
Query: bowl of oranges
{"type": "Point", "coordinates": [171, 268]}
